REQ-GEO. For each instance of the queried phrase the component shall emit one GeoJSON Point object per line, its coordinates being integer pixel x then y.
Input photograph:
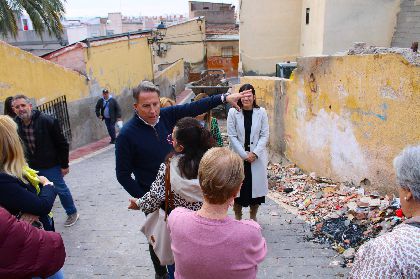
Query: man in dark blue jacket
{"type": "Point", "coordinates": [142, 143]}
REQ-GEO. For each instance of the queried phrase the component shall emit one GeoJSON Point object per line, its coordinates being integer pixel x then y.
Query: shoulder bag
{"type": "Point", "coordinates": [155, 227]}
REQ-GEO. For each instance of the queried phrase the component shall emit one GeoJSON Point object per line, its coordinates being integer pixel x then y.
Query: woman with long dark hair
{"type": "Point", "coordinates": [248, 135]}
{"type": "Point", "coordinates": [190, 141]}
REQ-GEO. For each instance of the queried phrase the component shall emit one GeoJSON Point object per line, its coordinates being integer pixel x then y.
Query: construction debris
{"type": "Point", "coordinates": [340, 214]}
{"type": "Point", "coordinates": [410, 55]}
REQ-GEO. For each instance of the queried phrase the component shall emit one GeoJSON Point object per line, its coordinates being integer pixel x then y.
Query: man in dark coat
{"type": "Point", "coordinates": [46, 150]}
{"type": "Point", "coordinates": [107, 109]}
{"type": "Point", "coordinates": [142, 143]}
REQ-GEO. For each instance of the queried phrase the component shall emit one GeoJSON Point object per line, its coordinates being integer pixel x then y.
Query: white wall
{"type": "Point", "coordinates": [76, 33]}
{"type": "Point", "coordinates": [269, 33]}
{"type": "Point", "coordinates": [312, 37]}
{"type": "Point", "coordinates": [349, 21]}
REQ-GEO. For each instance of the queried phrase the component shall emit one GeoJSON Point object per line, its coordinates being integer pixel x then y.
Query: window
{"type": "Point", "coordinates": [307, 15]}
{"type": "Point", "coordinates": [227, 52]}
{"type": "Point", "coordinates": [25, 24]}
{"type": "Point", "coordinates": [205, 8]}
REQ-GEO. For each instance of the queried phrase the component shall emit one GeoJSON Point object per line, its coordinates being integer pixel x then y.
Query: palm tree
{"type": "Point", "coordinates": [45, 16]}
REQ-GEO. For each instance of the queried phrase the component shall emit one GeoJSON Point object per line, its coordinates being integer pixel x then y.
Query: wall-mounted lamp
{"type": "Point", "coordinates": [157, 33]}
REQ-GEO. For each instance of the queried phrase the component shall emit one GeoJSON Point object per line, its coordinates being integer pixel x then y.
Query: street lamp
{"type": "Point", "coordinates": [157, 33]}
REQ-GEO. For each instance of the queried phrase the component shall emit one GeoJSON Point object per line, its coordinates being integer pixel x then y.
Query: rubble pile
{"type": "Point", "coordinates": [340, 213]}
{"type": "Point", "coordinates": [362, 48]}
{"type": "Point", "coordinates": [212, 80]}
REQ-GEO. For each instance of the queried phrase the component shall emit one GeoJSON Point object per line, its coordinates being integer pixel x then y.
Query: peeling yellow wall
{"type": "Point", "coordinates": [348, 117]}
{"type": "Point", "coordinates": [184, 40]}
{"type": "Point", "coordinates": [173, 72]}
{"type": "Point", "coordinates": [119, 65]}
{"type": "Point", "coordinates": [23, 73]}
{"type": "Point", "coordinates": [171, 76]}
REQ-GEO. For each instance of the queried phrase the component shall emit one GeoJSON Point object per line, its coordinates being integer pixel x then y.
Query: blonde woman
{"type": "Point", "coordinates": [22, 193]}
{"type": "Point", "coordinates": [17, 194]}
{"type": "Point", "coordinates": [166, 102]}
{"type": "Point", "coordinates": [209, 122]}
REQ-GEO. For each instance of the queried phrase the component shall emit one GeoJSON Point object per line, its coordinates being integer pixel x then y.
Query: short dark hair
{"type": "Point", "coordinates": [145, 86]}
{"type": "Point", "coordinates": [105, 91]}
{"type": "Point", "coordinates": [245, 87]}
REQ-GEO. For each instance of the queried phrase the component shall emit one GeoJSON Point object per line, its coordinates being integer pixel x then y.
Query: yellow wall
{"type": "Point", "coordinates": [24, 73]}
{"type": "Point", "coordinates": [184, 40]}
{"type": "Point", "coordinates": [269, 33]}
{"type": "Point", "coordinates": [171, 76]}
{"type": "Point", "coordinates": [348, 117]}
{"type": "Point", "coordinates": [119, 65]}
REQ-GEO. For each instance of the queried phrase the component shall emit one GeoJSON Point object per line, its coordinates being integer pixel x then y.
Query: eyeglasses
{"type": "Point", "coordinates": [169, 139]}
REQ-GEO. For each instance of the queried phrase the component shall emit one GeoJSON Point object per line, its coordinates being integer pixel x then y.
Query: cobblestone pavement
{"type": "Point", "coordinates": [106, 242]}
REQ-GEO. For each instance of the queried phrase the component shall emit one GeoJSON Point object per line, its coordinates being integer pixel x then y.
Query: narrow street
{"type": "Point", "coordinates": [106, 241]}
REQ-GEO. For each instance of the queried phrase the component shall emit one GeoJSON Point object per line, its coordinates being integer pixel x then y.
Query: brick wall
{"type": "Point", "coordinates": [408, 24]}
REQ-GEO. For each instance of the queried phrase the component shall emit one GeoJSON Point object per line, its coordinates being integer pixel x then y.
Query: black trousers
{"type": "Point", "coordinates": [159, 269]}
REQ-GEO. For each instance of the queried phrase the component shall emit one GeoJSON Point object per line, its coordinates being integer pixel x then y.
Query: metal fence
{"type": "Point", "coordinates": [57, 108]}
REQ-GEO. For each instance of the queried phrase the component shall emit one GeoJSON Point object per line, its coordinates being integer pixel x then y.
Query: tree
{"type": "Point", "coordinates": [45, 15]}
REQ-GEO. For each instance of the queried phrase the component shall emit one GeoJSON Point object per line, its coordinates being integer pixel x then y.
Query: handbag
{"type": "Point", "coordinates": [155, 227]}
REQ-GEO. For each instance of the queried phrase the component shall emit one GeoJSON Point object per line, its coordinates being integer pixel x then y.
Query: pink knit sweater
{"type": "Point", "coordinates": [208, 249]}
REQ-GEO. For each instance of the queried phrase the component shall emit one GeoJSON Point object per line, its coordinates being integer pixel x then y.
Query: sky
{"type": "Point", "coordinates": [93, 8]}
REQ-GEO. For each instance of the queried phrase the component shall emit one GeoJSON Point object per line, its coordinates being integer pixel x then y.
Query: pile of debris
{"type": "Point", "coordinates": [212, 80]}
{"type": "Point", "coordinates": [340, 213]}
{"type": "Point", "coordinates": [360, 48]}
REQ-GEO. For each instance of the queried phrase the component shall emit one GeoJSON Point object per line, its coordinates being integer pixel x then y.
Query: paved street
{"type": "Point", "coordinates": [106, 242]}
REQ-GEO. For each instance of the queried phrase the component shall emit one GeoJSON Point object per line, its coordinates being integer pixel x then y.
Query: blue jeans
{"type": "Point", "coordinates": [54, 175]}
{"type": "Point", "coordinates": [110, 126]}
{"type": "Point", "coordinates": [58, 275]}
{"type": "Point", "coordinates": [171, 271]}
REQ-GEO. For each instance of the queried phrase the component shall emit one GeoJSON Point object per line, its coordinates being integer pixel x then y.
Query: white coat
{"type": "Point", "coordinates": [258, 145]}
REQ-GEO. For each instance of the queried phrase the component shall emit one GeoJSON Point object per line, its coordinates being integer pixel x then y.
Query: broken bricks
{"type": "Point", "coordinates": [340, 213]}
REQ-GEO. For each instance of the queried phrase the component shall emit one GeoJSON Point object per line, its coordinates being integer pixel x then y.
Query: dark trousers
{"type": "Point", "coordinates": [159, 269]}
{"type": "Point", "coordinates": [110, 125]}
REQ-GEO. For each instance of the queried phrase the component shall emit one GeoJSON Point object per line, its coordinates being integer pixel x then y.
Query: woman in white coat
{"type": "Point", "coordinates": [248, 134]}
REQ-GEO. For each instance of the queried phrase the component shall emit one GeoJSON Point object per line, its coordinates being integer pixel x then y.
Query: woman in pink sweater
{"type": "Point", "coordinates": [208, 244]}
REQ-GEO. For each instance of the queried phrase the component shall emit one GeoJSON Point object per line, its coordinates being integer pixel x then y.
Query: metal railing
{"type": "Point", "coordinates": [57, 108]}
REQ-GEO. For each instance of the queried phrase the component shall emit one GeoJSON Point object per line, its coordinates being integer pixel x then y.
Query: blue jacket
{"type": "Point", "coordinates": [18, 197]}
{"type": "Point", "coordinates": [141, 148]}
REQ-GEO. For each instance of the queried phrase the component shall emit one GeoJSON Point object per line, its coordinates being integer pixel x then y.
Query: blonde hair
{"type": "Point", "coordinates": [12, 158]}
{"type": "Point", "coordinates": [207, 118]}
{"type": "Point", "coordinates": [166, 102]}
{"type": "Point", "coordinates": [220, 173]}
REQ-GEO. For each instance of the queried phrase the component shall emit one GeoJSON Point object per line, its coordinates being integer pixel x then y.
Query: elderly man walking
{"type": "Point", "coordinates": [47, 150]}
{"type": "Point", "coordinates": [142, 144]}
{"type": "Point", "coordinates": [108, 110]}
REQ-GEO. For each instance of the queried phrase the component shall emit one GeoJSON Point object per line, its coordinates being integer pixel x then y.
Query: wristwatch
{"type": "Point", "coordinates": [224, 97]}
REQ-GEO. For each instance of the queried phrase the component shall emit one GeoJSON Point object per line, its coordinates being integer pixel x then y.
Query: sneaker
{"type": "Point", "coordinates": [71, 219]}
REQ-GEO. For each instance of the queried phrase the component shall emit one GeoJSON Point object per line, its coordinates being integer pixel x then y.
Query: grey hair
{"type": "Point", "coordinates": [407, 169]}
{"type": "Point", "coordinates": [145, 86]}
{"type": "Point", "coordinates": [21, 96]}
